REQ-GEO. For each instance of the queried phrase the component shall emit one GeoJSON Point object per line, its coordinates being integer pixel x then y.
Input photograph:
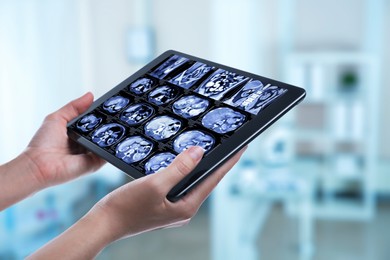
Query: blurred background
{"type": "Point", "coordinates": [316, 185]}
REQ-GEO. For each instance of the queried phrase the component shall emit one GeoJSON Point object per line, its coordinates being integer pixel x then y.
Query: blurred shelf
{"type": "Point", "coordinates": [350, 209]}
{"type": "Point", "coordinates": [332, 126]}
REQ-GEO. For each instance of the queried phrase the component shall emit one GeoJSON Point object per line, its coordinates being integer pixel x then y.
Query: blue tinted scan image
{"type": "Point", "coordinates": [133, 149]}
{"type": "Point", "coordinates": [193, 138]}
{"type": "Point", "coordinates": [136, 114]}
{"type": "Point", "coordinates": [158, 162]}
{"type": "Point", "coordinates": [219, 83]}
{"type": "Point", "coordinates": [162, 127]}
{"type": "Point", "coordinates": [190, 76]}
{"type": "Point", "coordinates": [115, 104]}
{"type": "Point", "coordinates": [163, 95]}
{"type": "Point", "coordinates": [141, 86]}
{"type": "Point", "coordinates": [88, 123]}
{"type": "Point", "coordinates": [169, 65]}
{"type": "Point", "coordinates": [108, 134]}
{"type": "Point", "coordinates": [223, 120]}
{"type": "Point", "coordinates": [254, 96]}
{"type": "Point", "coordinates": [190, 106]}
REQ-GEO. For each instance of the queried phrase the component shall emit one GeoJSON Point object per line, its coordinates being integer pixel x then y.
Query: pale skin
{"type": "Point", "coordinates": [51, 159]}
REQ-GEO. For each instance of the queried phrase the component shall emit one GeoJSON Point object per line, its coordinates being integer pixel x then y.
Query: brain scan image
{"type": "Point", "coordinates": [88, 123]}
{"type": "Point", "coordinates": [190, 106]}
{"type": "Point", "coordinates": [162, 127]}
{"type": "Point", "coordinates": [158, 162]}
{"type": "Point", "coordinates": [133, 149]}
{"type": "Point", "coordinates": [223, 120]}
{"type": "Point", "coordinates": [254, 96]}
{"type": "Point", "coordinates": [163, 95]}
{"type": "Point", "coordinates": [219, 83]}
{"type": "Point", "coordinates": [190, 76]}
{"type": "Point", "coordinates": [115, 104]}
{"type": "Point", "coordinates": [141, 86]}
{"type": "Point", "coordinates": [193, 138]}
{"type": "Point", "coordinates": [108, 134]}
{"type": "Point", "coordinates": [168, 66]}
{"type": "Point", "coordinates": [136, 114]}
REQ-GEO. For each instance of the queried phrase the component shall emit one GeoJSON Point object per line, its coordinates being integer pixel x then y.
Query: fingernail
{"type": "Point", "coordinates": [196, 152]}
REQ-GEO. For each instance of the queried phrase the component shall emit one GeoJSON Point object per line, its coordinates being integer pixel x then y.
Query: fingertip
{"type": "Point", "coordinates": [87, 98]}
{"type": "Point", "coordinates": [195, 152]}
{"type": "Point", "coordinates": [89, 94]}
{"type": "Point", "coordinates": [82, 103]}
{"type": "Point", "coordinates": [181, 166]}
{"type": "Point", "coordinates": [74, 107]}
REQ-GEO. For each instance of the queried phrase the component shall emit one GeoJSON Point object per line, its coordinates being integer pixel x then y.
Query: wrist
{"type": "Point", "coordinates": [108, 225]}
{"type": "Point", "coordinates": [32, 169]}
{"type": "Point", "coordinates": [84, 240]}
{"type": "Point", "coordinates": [18, 181]}
{"type": "Point", "coordinates": [101, 226]}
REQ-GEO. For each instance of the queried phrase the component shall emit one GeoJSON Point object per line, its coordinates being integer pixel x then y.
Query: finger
{"type": "Point", "coordinates": [203, 190]}
{"type": "Point", "coordinates": [74, 108]}
{"type": "Point", "coordinates": [183, 164]}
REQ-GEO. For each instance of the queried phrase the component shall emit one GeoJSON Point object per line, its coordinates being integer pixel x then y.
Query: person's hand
{"type": "Point", "coordinates": [55, 158]}
{"type": "Point", "coordinates": [141, 205]}
{"type": "Point", "coordinates": [136, 207]}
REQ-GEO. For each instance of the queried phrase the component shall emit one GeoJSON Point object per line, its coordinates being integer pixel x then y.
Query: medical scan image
{"type": "Point", "coordinates": [254, 96]}
{"type": "Point", "coordinates": [162, 127]}
{"type": "Point", "coordinates": [190, 106]}
{"type": "Point", "coordinates": [141, 86]}
{"type": "Point", "coordinates": [190, 76]}
{"type": "Point", "coordinates": [175, 102]}
{"type": "Point", "coordinates": [168, 66]}
{"type": "Point", "coordinates": [133, 149]}
{"type": "Point", "coordinates": [158, 162]}
{"type": "Point", "coordinates": [223, 120]}
{"type": "Point", "coordinates": [88, 123]}
{"type": "Point", "coordinates": [193, 138]}
{"type": "Point", "coordinates": [115, 104]}
{"type": "Point", "coordinates": [136, 114]}
{"type": "Point", "coordinates": [108, 134]}
{"type": "Point", "coordinates": [219, 83]}
{"type": "Point", "coordinates": [163, 95]}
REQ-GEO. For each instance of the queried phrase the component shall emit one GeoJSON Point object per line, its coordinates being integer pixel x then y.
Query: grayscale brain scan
{"type": "Point", "coordinates": [88, 123]}
{"type": "Point", "coordinates": [163, 95]}
{"type": "Point", "coordinates": [193, 138]}
{"type": "Point", "coordinates": [136, 114]}
{"type": "Point", "coordinates": [162, 127]}
{"type": "Point", "coordinates": [108, 134]}
{"type": "Point", "coordinates": [190, 106]}
{"type": "Point", "coordinates": [133, 149]}
{"type": "Point", "coordinates": [223, 120]}
{"type": "Point", "coordinates": [168, 66]}
{"type": "Point", "coordinates": [190, 76]}
{"type": "Point", "coordinates": [141, 86]}
{"type": "Point", "coordinates": [219, 83]}
{"type": "Point", "coordinates": [158, 162]}
{"type": "Point", "coordinates": [254, 96]}
{"type": "Point", "coordinates": [115, 104]}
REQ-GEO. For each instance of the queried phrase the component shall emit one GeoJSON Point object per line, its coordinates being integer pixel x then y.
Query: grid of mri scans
{"type": "Point", "coordinates": [177, 104]}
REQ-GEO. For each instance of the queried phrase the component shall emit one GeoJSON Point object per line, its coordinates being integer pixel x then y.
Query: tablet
{"type": "Point", "coordinates": [177, 101]}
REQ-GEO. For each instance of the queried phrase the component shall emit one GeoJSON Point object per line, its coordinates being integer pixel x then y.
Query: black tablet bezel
{"type": "Point", "coordinates": [222, 152]}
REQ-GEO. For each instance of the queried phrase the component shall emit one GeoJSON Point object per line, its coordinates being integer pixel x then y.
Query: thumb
{"type": "Point", "coordinates": [74, 108]}
{"type": "Point", "coordinates": [183, 164]}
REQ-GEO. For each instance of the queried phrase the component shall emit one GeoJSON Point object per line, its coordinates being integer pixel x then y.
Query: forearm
{"type": "Point", "coordinates": [17, 181]}
{"type": "Point", "coordinates": [84, 240]}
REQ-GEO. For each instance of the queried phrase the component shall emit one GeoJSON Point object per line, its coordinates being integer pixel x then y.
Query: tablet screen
{"type": "Point", "coordinates": [175, 102]}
